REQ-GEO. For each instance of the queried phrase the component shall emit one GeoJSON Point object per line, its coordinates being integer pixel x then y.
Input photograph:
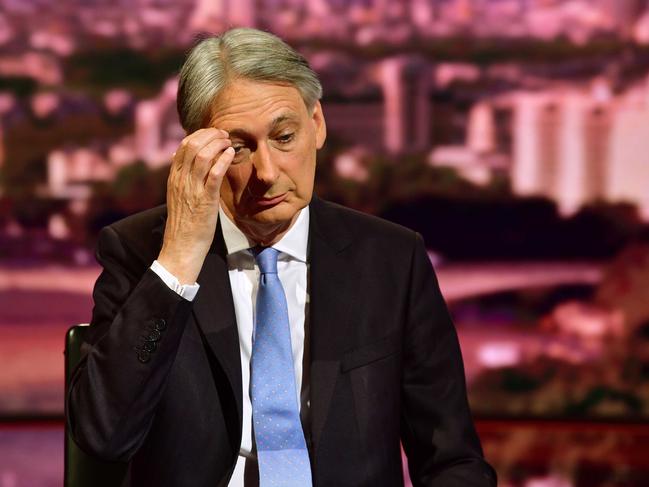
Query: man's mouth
{"type": "Point", "coordinates": [264, 201]}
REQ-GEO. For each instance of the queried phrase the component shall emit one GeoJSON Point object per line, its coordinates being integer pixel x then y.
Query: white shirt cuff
{"type": "Point", "coordinates": [187, 291]}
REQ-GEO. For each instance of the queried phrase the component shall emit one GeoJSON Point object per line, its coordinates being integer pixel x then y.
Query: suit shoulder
{"type": "Point", "coordinates": [364, 225]}
{"type": "Point", "coordinates": [142, 232]}
{"type": "Point", "coordinates": [140, 222]}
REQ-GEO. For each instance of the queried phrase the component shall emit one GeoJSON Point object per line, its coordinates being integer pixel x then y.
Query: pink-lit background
{"type": "Point", "coordinates": [513, 134]}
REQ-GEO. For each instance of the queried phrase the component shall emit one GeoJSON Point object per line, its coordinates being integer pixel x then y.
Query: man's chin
{"type": "Point", "coordinates": [282, 212]}
{"type": "Point", "coordinates": [270, 220]}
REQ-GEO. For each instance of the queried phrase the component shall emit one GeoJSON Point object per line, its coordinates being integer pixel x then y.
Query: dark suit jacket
{"type": "Point", "coordinates": [384, 367]}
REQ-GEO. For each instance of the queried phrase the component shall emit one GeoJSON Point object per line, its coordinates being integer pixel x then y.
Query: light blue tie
{"type": "Point", "coordinates": [281, 449]}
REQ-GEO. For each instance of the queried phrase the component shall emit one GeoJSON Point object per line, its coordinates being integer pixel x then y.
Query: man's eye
{"type": "Point", "coordinates": [285, 138]}
{"type": "Point", "coordinates": [241, 153]}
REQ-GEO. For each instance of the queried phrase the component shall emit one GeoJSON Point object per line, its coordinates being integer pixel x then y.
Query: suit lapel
{"type": "Point", "coordinates": [332, 293]}
{"type": "Point", "coordinates": [213, 311]}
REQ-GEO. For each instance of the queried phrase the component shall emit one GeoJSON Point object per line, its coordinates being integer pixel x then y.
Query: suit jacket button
{"type": "Point", "coordinates": [152, 335]}
{"type": "Point", "coordinates": [149, 347]}
{"type": "Point", "coordinates": [160, 324]}
{"type": "Point", "coordinates": [143, 356]}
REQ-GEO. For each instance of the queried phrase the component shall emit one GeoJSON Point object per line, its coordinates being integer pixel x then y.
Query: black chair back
{"type": "Point", "coordinates": [81, 469]}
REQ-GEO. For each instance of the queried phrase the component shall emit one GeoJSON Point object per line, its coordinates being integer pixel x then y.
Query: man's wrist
{"type": "Point", "coordinates": [187, 291]}
{"type": "Point", "coordinates": [184, 266]}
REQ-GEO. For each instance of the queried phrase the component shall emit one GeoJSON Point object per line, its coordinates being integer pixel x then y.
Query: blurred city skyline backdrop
{"type": "Point", "coordinates": [519, 127]}
{"type": "Point", "coordinates": [535, 98]}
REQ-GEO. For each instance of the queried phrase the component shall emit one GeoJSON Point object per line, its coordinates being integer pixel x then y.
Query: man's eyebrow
{"type": "Point", "coordinates": [276, 122]}
{"type": "Point", "coordinates": [287, 117]}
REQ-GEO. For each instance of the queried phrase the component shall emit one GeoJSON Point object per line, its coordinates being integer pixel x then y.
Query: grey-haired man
{"type": "Point", "coordinates": [181, 375]}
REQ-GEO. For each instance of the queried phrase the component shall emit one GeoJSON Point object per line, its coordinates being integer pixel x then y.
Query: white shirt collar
{"type": "Point", "coordinates": [294, 242]}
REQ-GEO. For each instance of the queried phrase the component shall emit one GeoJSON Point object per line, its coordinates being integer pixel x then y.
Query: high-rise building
{"type": "Point", "coordinates": [585, 134]}
{"type": "Point", "coordinates": [405, 82]}
{"type": "Point", "coordinates": [535, 144]}
{"type": "Point", "coordinates": [597, 127]}
{"type": "Point", "coordinates": [628, 169]}
{"type": "Point", "coordinates": [481, 129]}
{"type": "Point", "coordinates": [561, 147]}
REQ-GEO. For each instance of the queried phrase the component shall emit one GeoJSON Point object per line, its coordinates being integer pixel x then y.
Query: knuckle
{"type": "Point", "coordinates": [204, 155]}
{"type": "Point", "coordinates": [194, 145]}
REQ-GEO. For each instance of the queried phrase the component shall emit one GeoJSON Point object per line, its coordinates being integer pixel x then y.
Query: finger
{"type": "Point", "coordinates": [207, 157]}
{"type": "Point", "coordinates": [178, 156]}
{"type": "Point", "coordinates": [218, 170]}
{"type": "Point", "coordinates": [195, 142]}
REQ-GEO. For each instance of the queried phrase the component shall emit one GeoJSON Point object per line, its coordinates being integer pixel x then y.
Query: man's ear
{"type": "Point", "coordinates": [320, 126]}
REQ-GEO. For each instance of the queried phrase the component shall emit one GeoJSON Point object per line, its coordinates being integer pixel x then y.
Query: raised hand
{"type": "Point", "coordinates": [193, 187]}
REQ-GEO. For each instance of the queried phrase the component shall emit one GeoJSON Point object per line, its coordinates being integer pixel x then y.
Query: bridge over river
{"type": "Point", "coordinates": [462, 281]}
{"type": "Point", "coordinates": [38, 304]}
{"type": "Point", "coordinates": [457, 280]}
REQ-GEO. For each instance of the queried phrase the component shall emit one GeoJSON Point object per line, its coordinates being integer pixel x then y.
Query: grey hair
{"type": "Point", "coordinates": [239, 53]}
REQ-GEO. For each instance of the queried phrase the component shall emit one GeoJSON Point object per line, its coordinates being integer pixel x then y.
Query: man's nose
{"type": "Point", "coordinates": [265, 168]}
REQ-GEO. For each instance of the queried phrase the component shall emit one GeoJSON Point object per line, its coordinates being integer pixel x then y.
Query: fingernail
{"type": "Point", "coordinates": [230, 150]}
{"type": "Point", "coordinates": [225, 133]}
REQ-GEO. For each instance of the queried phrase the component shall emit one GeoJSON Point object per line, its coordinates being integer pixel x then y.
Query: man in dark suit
{"type": "Point", "coordinates": [181, 376]}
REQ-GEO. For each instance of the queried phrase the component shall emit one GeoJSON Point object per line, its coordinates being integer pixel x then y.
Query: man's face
{"type": "Point", "coordinates": [275, 138]}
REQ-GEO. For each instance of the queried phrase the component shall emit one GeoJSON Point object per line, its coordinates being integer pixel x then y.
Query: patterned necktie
{"type": "Point", "coordinates": [281, 448]}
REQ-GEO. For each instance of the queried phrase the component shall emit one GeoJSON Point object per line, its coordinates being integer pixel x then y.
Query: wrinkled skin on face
{"type": "Point", "coordinates": [275, 138]}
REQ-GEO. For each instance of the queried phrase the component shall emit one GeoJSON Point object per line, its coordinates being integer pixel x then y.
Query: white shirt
{"type": "Point", "coordinates": [292, 269]}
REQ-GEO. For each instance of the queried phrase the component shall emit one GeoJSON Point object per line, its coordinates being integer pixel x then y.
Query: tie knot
{"type": "Point", "coordinates": [266, 258]}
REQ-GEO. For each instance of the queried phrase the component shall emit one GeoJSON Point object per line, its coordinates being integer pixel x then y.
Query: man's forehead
{"type": "Point", "coordinates": [255, 103]}
{"type": "Point", "coordinates": [251, 96]}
